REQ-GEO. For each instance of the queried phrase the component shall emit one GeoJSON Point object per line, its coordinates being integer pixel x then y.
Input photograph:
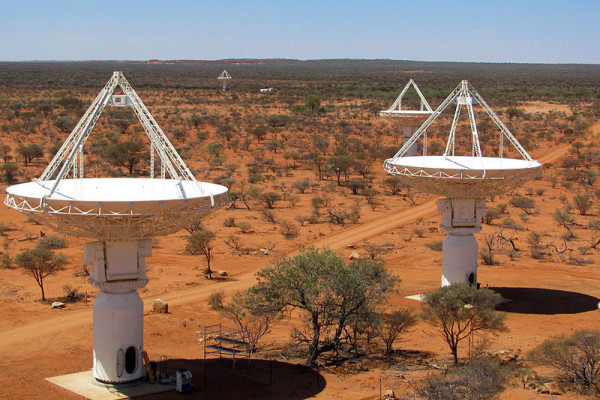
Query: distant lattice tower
{"type": "Point", "coordinates": [225, 78]}
{"type": "Point", "coordinates": [409, 120]}
{"type": "Point", "coordinates": [465, 180]}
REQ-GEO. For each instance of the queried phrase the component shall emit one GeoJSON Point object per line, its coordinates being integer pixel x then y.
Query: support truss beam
{"type": "Point", "coordinates": [70, 155]}
{"type": "Point", "coordinates": [463, 95]}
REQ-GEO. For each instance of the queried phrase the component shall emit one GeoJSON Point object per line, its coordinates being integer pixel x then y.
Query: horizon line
{"type": "Point", "coordinates": [228, 60]}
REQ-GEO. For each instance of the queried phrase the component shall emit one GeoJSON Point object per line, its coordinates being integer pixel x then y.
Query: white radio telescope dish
{"type": "Point", "coordinates": [408, 119]}
{"type": "Point", "coordinates": [115, 208]}
{"type": "Point", "coordinates": [225, 78]}
{"type": "Point", "coordinates": [122, 215]}
{"type": "Point", "coordinates": [465, 180]}
{"type": "Point", "coordinates": [463, 176]}
{"type": "Point", "coordinates": [409, 115]}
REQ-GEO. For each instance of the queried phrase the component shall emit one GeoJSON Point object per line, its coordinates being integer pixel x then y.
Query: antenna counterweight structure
{"type": "Point", "coordinates": [465, 181]}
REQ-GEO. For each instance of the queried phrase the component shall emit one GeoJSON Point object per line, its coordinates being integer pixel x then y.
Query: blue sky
{"type": "Point", "coordinates": [487, 31]}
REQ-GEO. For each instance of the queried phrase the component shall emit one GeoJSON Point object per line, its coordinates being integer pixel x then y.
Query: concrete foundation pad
{"type": "Point", "coordinates": [84, 384]}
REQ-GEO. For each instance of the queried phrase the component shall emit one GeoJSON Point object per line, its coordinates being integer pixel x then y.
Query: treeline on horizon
{"type": "Point", "coordinates": [377, 80]}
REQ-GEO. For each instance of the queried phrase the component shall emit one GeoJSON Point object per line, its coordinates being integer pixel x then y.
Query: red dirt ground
{"type": "Point", "coordinates": [550, 297]}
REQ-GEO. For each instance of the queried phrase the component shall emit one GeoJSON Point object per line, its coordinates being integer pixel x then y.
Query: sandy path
{"type": "Point", "coordinates": [44, 330]}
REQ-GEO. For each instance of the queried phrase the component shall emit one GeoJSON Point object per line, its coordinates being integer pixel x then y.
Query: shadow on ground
{"type": "Point", "coordinates": [259, 379]}
{"type": "Point", "coordinates": [544, 301]}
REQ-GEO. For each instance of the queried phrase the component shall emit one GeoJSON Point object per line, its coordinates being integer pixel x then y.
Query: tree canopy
{"type": "Point", "coordinates": [327, 291]}
{"type": "Point", "coordinates": [40, 263]}
{"type": "Point", "coordinates": [126, 154]}
{"type": "Point", "coordinates": [459, 310]}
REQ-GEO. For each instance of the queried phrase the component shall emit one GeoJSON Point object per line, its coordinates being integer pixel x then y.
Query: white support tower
{"type": "Point", "coordinates": [225, 78]}
{"type": "Point", "coordinates": [121, 215]}
{"type": "Point", "coordinates": [464, 180]}
{"type": "Point", "coordinates": [408, 120]}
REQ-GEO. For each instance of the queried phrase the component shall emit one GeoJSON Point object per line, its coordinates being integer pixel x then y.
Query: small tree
{"type": "Point", "coordinates": [70, 103]}
{"type": "Point", "coordinates": [40, 263]}
{"type": "Point", "coordinates": [200, 242]}
{"type": "Point", "coordinates": [371, 197]}
{"type": "Point", "coordinates": [9, 170]}
{"type": "Point", "coordinates": [327, 291]}
{"type": "Point", "coordinates": [127, 154]}
{"type": "Point", "coordinates": [196, 121]}
{"type": "Point", "coordinates": [459, 310]}
{"type": "Point", "coordinates": [512, 112]}
{"type": "Point", "coordinates": [490, 215]}
{"type": "Point", "coordinates": [64, 124]}
{"type": "Point", "coordinates": [536, 247]}
{"type": "Point", "coordinates": [340, 165]}
{"type": "Point", "coordinates": [302, 185]}
{"type": "Point", "coordinates": [565, 220]}
{"type": "Point", "coordinates": [524, 203]}
{"type": "Point", "coordinates": [259, 132]}
{"type": "Point", "coordinates": [30, 152]}
{"type": "Point", "coordinates": [313, 103]}
{"type": "Point", "coordinates": [249, 311]}
{"type": "Point", "coordinates": [356, 185]}
{"type": "Point", "coordinates": [212, 154]}
{"type": "Point", "coordinates": [394, 185]}
{"type": "Point", "coordinates": [395, 324]}
{"type": "Point", "coordinates": [270, 198]}
{"type": "Point", "coordinates": [582, 203]}
{"type": "Point", "coordinates": [5, 152]}
{"type": "Point", "coordinates": [576, 356]}
{"type": "Point", "coordinates": [492, 242]}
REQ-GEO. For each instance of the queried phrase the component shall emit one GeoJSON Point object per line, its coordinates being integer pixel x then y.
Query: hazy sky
{"type": "Point", "coordinates": [543, 31]}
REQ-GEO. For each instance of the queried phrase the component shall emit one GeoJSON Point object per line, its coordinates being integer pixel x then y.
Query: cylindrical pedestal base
{"type": "Point", "coordinates": [407, 132]}
{"type": "Point", "coordinates": [459, 259]}
{"type": "Point", "coordinates": [118, 337]}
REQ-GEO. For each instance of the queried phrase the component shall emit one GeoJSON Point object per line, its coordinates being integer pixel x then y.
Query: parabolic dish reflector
{"type": "Point", "coordinates": [116, 208]}
{"type": "Point", "coordinates": [415, 117]}
{"type": "Point", "coordinates": [463, 177]}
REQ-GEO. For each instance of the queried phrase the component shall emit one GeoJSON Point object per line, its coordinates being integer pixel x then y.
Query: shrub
{"type": "Point", "coordinates": [582, 203]}
{"type": "Point", "coordinates": [502, 208]}
{"type": "Point", "coordinates": [491, 215]}
{"type": "Point", "coordinates": [52, 242]}
{"type": "Point", "coordinates": [269, 216]}
{"type": "Point", "coordinates": [6, 261]}
{"type": "Point", "coordinates": [420, 232]}
{"type": "Point", "coordinates": [301, 219]}
{"type": "Point", "coordinates": [244, 226]}
{"type": "Point", "coordinates": [486, 256]}
{"type": "Point", "coordinates": [576, 356]}
{"type": "Point", "coordinates": [436, 246]}
{"type": "Point", "coordinates": [270, 198]}
{"type": "Point", "coordinates": [229, 222]}
{"type": "Point", "coordinates": [481, 378]}
{"type": "Point", "coordinates": [302, 185]}
{"type": "Point", "coordinates": [288, 229]}
{"type": "Point", "coordinates": [534, 239]}
{"type": "Point", "coordinates": [71, 293]}
{"type": "Point", "coordinates": [524, 203]}
{"type": "Point", "coordinates": [394, 324]}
